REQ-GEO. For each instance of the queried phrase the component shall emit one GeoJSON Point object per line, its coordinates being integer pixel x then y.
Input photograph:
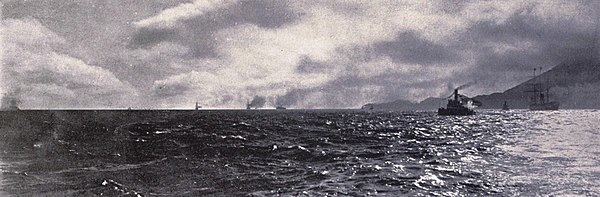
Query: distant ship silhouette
{"type": "Point", "coordinates": [505, 106]}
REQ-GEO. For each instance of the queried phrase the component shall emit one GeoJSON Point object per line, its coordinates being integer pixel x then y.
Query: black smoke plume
{"type": "Point", "coordinates": [291, 98]}
{"type": "Point", "coordinates": [10, 101]}
{"type": "Point", "coordinates": [258, 102]}
{"type": "Point", "coordinates": [466, 85]}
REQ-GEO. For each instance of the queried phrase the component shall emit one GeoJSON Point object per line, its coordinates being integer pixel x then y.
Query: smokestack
{"type": "Point", "coordinates": [456, 94]}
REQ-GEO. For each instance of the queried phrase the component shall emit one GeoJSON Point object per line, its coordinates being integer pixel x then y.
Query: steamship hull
{"type": "Point", "coordinates": [455, 111]}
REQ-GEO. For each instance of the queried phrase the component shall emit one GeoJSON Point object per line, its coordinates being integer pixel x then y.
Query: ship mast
{"type": "Point", "coordinates": [535, 90]}
{"type": "Point", "coordinates": [541, 88]}
{"type": "Point", "coordinates": [547, 89]}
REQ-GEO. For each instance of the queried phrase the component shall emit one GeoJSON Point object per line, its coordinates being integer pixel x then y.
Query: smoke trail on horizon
{"type": "Point", "coordinates": [258, 102]}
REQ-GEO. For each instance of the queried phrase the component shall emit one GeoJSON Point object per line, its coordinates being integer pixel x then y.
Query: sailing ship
{"type": "Point", "coordinates": [540, 96]}
{"type": "Point", "coordinates": [459, 106]}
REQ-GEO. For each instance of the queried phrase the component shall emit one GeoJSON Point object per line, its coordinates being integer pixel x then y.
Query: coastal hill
{"type": "Point", "coordinates": [575, 84]}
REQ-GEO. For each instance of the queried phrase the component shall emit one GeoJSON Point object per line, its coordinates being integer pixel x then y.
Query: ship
{"type": "Point", "coordinates": [505, 106]}
{"type": "Point", "coordinates": [459, 106]}
{"type": "Point", "coordinates": [540, 96]}
{"type": "Point", "coordinates": [198, 106]}
{"type": "Point", "coordinates": [280, 107]}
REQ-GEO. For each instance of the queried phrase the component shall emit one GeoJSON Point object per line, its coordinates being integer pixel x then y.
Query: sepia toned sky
{"type": "Point", "coordinates": [299, 54]}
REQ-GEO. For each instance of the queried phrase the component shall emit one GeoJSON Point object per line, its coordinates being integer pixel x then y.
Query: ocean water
{"type": "Point", "coordinates": [299, 153]}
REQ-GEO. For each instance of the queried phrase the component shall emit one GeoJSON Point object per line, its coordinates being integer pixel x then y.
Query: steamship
{"type": "Point", "coordinates": [459, 106]}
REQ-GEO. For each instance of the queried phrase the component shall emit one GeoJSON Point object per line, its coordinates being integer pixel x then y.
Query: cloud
{"type": "Point", "coordinates": [306, 66]}
{"type": "Point", "coordinates": [180, 90]}
{"type": "Point", "coordinates": [295, 53]}
{"type": "Point", "coordinates": [408, 47]}
{"type": "Point", "coordinates": [170, 90]}
{"type": "Point", "coordinates": [196, 27]}
{"type": "Point", "coordinates": [169, 17]}
{"type": "Point", "coordinates": [32, 33]}
{"type": "Point", "coordinates": [47, 77]}
{"type": "Point", "coordinates": [147, 37]}
{"type": "Point", "coordinates": [3, 90]}
{"type": "Point", "coordinates": [330, 45]}
{"type": "Point", "coordinates": [504, 52]}
{"type": "Point", "coordinates": [376, 80]}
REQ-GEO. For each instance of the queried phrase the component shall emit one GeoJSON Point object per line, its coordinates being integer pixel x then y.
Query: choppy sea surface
{"type": "Point", "coordinates": [299, 153]}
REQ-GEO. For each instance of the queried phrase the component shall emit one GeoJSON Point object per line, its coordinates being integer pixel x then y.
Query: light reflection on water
{"type": "Point", "coordinates": [505, 153]}
{"type": "Point", "coordinates": [560, 151]}
{"type": "Point", "coordinates": [3, 179]}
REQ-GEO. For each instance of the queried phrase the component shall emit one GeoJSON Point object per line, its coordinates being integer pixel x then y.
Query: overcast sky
{"type": "Point", "coordinates": [301, 54]}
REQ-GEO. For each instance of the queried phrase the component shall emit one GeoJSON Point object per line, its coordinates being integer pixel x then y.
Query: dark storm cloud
{"type": "Point", "coordinates": [558, 40]}
{"type": "Point", "coordinates": [408, 47]}
{"type": "Point", "coordinates": [197, 32]}
{"type": "Point", "coordinates": [510, 50]}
